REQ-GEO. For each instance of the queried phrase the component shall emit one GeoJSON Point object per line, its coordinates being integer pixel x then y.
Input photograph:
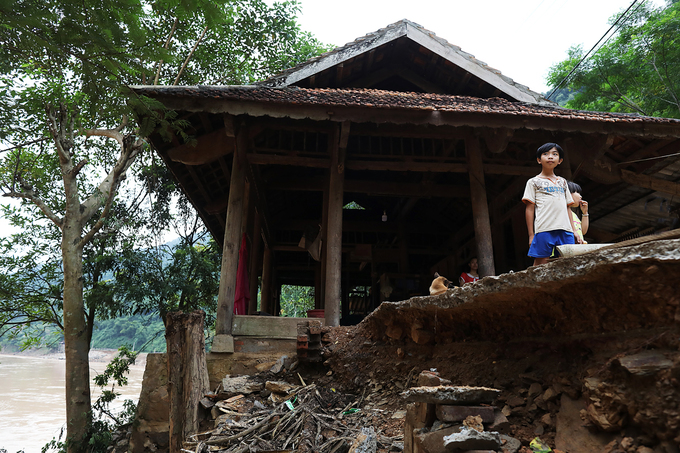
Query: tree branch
{"type": "Point", "coordinates": [190, 55]}
{"type": "Point", "coordinates": [39, 203]}
{"type": "Point", "coordinates": [167, 44]}
{"type": "Point", "coordinates": [109, 186]}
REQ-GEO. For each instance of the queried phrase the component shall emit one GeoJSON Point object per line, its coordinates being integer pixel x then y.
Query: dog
{"type": "Point", "coordinates": [440, 285]}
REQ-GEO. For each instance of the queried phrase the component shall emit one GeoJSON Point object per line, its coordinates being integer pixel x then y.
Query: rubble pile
{"type": "Point", "coordinates": [443, 418]}
{"type": "Point", "coordinates": [250, 415]}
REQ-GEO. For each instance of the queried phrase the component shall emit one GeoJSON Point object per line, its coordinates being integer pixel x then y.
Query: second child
{"type": "Point", "coordinates": [547, 199]}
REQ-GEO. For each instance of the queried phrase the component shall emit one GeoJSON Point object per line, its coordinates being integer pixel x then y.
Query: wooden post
{"type": "Point", "coordinates": [266, 290]}
{"type": "Point", "coordinates": [480, 207]}
{"type": "Point", "coordinates": [324, 247]}
{"type": "Point", "coordinates": [334, 233]}
{"type": "Point", "coordinates": [255, 261]}
{"type": "Point", "coordinates": [223, 341]}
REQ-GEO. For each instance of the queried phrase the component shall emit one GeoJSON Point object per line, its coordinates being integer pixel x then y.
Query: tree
{"type": "Point", "coordinates": [637, 71]}
{"type": "Point", "coordinates": [64, 65]}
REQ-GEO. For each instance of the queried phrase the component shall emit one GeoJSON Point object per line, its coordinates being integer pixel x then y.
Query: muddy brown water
{"type": "Point", "coordinates": [32, 399]}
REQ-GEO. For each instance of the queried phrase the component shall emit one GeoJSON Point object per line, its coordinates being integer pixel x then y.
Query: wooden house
{"type": "Point", "coordinates": [363, 171]}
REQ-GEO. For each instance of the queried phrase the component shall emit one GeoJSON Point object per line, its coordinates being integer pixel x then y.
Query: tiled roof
{"type": "Point", "coordinates": [379, 99]}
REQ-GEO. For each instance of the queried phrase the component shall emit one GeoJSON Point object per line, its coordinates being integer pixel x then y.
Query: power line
{"type": "Point", "coordinates": [590, 51]}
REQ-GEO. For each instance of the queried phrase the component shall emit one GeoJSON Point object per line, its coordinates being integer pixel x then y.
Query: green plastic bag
{"type": "Point", "coordinates": [538, 446]}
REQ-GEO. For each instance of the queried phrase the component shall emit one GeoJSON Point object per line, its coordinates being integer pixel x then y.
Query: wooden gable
{"type": "Point", "coordinates": [405, 57]}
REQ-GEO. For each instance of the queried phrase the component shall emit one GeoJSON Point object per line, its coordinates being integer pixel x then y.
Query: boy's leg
{"type": "Point", "coordinates": [539, 261]}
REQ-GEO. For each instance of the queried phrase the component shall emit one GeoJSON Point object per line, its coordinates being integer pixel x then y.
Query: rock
{"type": "Point", "coordinates": [535, 389]}
{"type": "Point", "coordinates": [510, 444]}
{"type": "Point", "coordinates": [627, 442]}
{"type": "Point", "coordinates": [278, 366]}
{"type": "Point", "coordinates": [474, 422]}
{"type": "Point", "coordinates": [432, 441]}
{"type": "Point", "coordinates": [450, 395]}
{"type": "Point", "coordinates": [571, 434]}
{"type": "Point", "coordinates": [421, 336]}
{"type": "Point", "coordinates": [241, 384]}
{"type": "Point", "coordinates": [471, 439]}
{"type": "Point", "coordinates": [506, 411]}
{"type": "Point", "coordinates": [366, 442]}
{"type": "Point", "coordinates": [429, 378]}
{"type": "Point", "coordinates": [394, 332]}
{"type": "Point", "coordinates": [280, 386]}
{"type": "Point", "coordinates": [645, 363]}
{"type": "Point", "coordinates": [515, 401]}
{"type": "Point", "coordinates": [500, 423]}
{"type": "Point", "coordinates": [547, 419]}
{"type": "Point", "coordinates": [643, 449]}
{"type": "Point", "coordinates": [550, 394]}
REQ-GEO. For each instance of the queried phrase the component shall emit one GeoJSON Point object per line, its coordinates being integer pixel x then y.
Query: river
{"type": "Point", "coordinates": [32, 398]}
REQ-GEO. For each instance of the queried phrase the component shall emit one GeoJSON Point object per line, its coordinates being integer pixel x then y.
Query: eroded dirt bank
{"type": "Point", "coordinates": [586, 350]}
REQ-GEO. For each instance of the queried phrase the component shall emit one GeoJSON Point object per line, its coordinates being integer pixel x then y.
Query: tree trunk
{"type": "Point", "coordinates": [187, 373]}
{"type": "Point", "coordinates": [76, 342]}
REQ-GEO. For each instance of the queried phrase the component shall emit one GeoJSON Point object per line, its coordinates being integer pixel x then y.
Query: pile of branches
{"type": "Point", "coordinates": [305, 422]}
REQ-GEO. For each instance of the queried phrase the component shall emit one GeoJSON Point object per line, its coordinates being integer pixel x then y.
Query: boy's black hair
{"type": "Point", "coordinates": [547, 147]}
{"type": "Point", "coordinates": [573, 187]}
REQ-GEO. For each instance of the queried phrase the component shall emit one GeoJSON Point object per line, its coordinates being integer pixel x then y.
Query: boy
{"type": "Point", "coordinates": [547, 212]}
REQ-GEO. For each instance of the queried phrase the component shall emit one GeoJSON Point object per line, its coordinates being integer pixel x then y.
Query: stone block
{"type": "Point", "coordinates": [223, 343]}
{"type": "Point", "coordinates": [431, 442]}
{"type": "Point", "coordinates": [458, 395]}
{"type": "Point", "coordinates": [449, 413]}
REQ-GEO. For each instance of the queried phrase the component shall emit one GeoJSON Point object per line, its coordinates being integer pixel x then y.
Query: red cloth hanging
{"type": "Point", "coordinates": [242, 291]}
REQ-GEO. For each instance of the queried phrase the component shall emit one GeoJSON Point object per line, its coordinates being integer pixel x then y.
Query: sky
{"type": "Point", "coordinates": [521, 38]}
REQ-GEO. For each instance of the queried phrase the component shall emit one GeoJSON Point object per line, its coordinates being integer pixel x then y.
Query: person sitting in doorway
{"type": "Point", "coordinates": [471, 275]}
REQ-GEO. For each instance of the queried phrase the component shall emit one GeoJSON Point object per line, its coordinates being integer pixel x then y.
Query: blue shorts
{"type": "Point", "coordinates": [543, 245]}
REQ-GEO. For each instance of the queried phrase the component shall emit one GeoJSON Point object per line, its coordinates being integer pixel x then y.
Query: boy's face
{"type": "Point", "coordinates": [550, 159]}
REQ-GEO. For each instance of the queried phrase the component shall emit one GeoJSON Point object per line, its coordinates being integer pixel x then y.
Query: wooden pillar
{"type": "Point", "coordinates": [223, 341]}
{"type": "Point", "coordinates": [334, 233]}
{"type": "Point", "coordinates": [324, 247]}
{"type": "Point", "coordinates": [255, 261]}
{"type": "Point", "coordinates": [266, 290]}
{"type": "Point", "coordinates": [480, 207]}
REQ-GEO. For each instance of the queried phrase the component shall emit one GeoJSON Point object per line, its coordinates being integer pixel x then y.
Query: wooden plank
{"type": "Point", "coordinates": [650, 182]}
{"type": "Point", "coordinates": [207, 148]}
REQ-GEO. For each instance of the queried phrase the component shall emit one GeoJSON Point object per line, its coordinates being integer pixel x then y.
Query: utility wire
{"type": "Point", "coordinates": [590, 51]}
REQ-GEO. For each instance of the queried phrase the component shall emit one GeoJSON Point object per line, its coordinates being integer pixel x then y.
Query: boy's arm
{"type": "Point", "coordinates": [529, 214]}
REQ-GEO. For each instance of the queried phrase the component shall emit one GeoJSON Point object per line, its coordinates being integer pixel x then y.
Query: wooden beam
{"type": "Point", "coordinates": [207, 148]}
{"type": "Point", "coordinates": [376, 188]}
{"type": "Point", "coordinates": [650, 182]}
{"type": "Point", "coordinates": [269, 159]}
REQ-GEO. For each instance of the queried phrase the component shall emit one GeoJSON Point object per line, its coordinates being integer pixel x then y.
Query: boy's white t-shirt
{"type": "Point", "coordinates": [551, 200]}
